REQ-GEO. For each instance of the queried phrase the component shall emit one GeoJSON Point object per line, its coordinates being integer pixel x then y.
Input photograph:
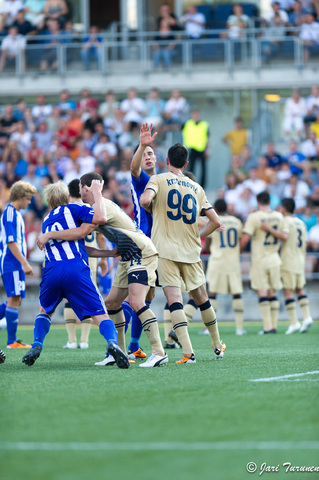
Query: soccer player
{"type": "Point", "coordinates": [66, 273]}
{"type": "Point", "coordinates": [2, 356]}
{"type": "Point", "coordinates": [293, 256]}
{"type": "Point", "coordinates": [135, 273]}
{"type": "Point", "coordinates": [14, 265]}
{"type": "Point", "coordinates": [176, 203]}
{"type": "Point", "coordinates": [223, 270]}
{"type": "Point", "coordinates": [265, 260]}
{"type": "Point", "coordinates": [92, 240]}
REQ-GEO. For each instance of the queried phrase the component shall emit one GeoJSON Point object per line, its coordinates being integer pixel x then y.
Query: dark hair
{"type": "Point", "coordinates": [263, 198]}
{"type": "Point", "coordinates": [220, 206]}
{"type": "Point", "coordinates": [74, 188]}
{"type": "Point", "coordinates": [289, 204]}
{"type": "Point", "coordinates": [87, 178]}
{"type": "Point", "coordinates": [177, 155]}
{"type": "Point", "coordinates": [135, 149]}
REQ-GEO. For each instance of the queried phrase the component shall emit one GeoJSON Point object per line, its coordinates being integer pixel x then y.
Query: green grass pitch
{"type": "Point", "coordinates": [64, 418]}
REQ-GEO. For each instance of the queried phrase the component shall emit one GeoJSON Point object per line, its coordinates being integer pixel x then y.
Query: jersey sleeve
{"type": "Point", "coordinates": [249, 227]}
{"type": "Point", "coordinates": [204, 203]}
{"type": "Point", "coordinates": [82, 212]}
{"type": "Point", "coordinates": [10, 225]}
{"type": "Point", "coordinates": [153, 183]}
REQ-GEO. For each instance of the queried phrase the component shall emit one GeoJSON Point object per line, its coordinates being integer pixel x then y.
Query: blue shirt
{"type": "Point", "coordinates": [64, 218]}
{"type": "Point", "coordinates": [12, 230]}
{"type": "Point", "coordinates": [293, 159]}
{"type": "Point", "coordinates": [143, 219]}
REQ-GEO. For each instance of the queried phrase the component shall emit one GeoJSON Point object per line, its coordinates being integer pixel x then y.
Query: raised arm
{"type": "Point", "coordinates": [99, 216]}
{"type": "Point", "coordinates": [212, 224]}
{"type": "Point", "coordinates": [146, 139]}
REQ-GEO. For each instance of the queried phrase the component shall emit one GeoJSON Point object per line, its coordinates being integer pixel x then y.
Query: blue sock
{"type": "Point", "coordinates": [127, 309]}
{"type": "Point", "coordinates": [108, 331]}
{"type": "Point", "coordinates": [3, 307]}
{"type": "Point", "coordinates": [12, 317]}
{"type": "Point", "coordinates": [42, 326]}
{"type": "Point", "coordinates": [136, 332]}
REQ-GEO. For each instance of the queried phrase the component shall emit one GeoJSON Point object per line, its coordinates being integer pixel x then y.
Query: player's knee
{"type": "Point", "coordinates": [136, 303]}
{"type": "Point", "coordinates": [111, 304]}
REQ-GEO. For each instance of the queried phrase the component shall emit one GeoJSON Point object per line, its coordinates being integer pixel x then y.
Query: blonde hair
{"type": "Point", "coordinates": [56, 194]}
{"type": "Point", "coordinates": [20, 190]}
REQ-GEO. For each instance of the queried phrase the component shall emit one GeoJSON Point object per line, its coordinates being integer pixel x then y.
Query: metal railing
{"type": "Point", "coordinates": [122, 51]}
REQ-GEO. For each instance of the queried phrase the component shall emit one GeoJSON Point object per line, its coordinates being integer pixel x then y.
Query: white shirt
{"type": "Point", "coordinates": [313, 104]}
{"type": "Point", "coordinates": [176, 107]}
{"type": "Point", "coordinates": [308, 148]}
{"type": "Point", "coordinates": [310, 32]}
{"type": "Point", "coordinates": [11, 7]}
{"type": "Point", "coordinates": [233, 24]}
{"type": "Point", "coordinates": [87, 164]}
{"type": "Point", "coordinates": [256, 186]}
{"type": "Point", "coordinates": [293, 109]}
{"type": "Point", "coordinates": [302, 190]}
{"type": "Point", "coordinates": [283, 15]}
{"type": "Point", "coordinates": [108, 147]}
{"type": "Point", "coordinates": [133, 110]}
{"type": "Point", "coordinates": [192, 29]}
{"type": "Point", "coordinates": [22, 140]}
{"type": "Point", "coordinates": [13, 44]}
{"type": "Point", "coordinates": [41, 111]}
{"type": "Point", "coordinates": [314, 234]}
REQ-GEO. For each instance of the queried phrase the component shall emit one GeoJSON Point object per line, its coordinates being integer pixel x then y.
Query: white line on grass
{"type": "Point", "coordinates": [163, 446]}
{"type": "Point", "coordinates": [283, 377]}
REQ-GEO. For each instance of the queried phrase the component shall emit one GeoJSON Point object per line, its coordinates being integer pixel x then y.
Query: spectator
{"type": "Point", "coordinates": [253, 183]}
{"type": "Point", "coordinates": [41, 110]}
{"type": "Point", "coordinates": [309, 34]}
{"type": "Point", "coordinates": [104, 144]}
{"type": "Point", "coordinates": [21, 111]}
{"type": "Point", "coordinates": [155, 108]}
{"type": "Point", "coordinates": [283, 171]}
{"type": "Point", "coordinates": [312, 104]}
{"type": "Point", "coordinates": [237, 168]}
{"type": "Point", "coordinates": [92, 48]}
{"type": "Point", "coordinates": [166, 14]}
{"type": "Point", "coordinates": [8, 120]}
{"type": "Point", "coordinates": [107, 108]}
{"type": "Point", "coordinates": [245, 204]}
{"type": "Point", "coordinates": [87, 139]}
{"type": "Point", "coordinates": [164, 48]}
{"type": "Point", "coordinates": [93, 120]}
{"type": "Point", "coordinates": [237, 22]}
{"type": "Point", "coordinates": [295, 111]}
{"type": "Point", "coordinates": [310, 147]}
{"type": "Point", "coordinates": [275, 187]}
{"type": "Point", "coordinates": [236, 139]}
{"type": "Point", "coordinates": [43, 137]}
{"type": "Point", "coordinates": [56, 10]}
{"type": "Point", "coordinates": [85, 102]}
{"type": "Point", "coordinates": [31, 177]}
{"type": "Point", "coordinates": [194, 22]}
{"type": "Point", "coordinates": [298, 190]}
{"type": "Point", "coordinates": [21, 137]}
{"type": "Point", "coordinates": [248, 161]}
{"type": "Point", "coordinates": [34, 154]}
{"type": "Point", "coordinates": [12, 46]}
{"type": "Point", "coordinates": [133, 109]}
{"type": "Point", "coordinates": [176, 113]}
{"type": "Point", "coordinates": [314, 127]}
{"type": "Point", "coordinates": [86, 161]}
{"type": "Point", "coordinates": [65, 103]}
{"type": "Point", "coordinates": [8, 12]}
{"type": "Point", "coordinates": [66, 136]}
{"type": "Point", "coordinates": [74, 122]}
{"type": "Point", "coordinates": [231, 192]}
{"type": "Point", "coordinates": [276, 10]}
{"type": "Point", "coordinates": [274, 158]}
{"type": "Point", "coordinates": [272, 38]}
{"type": "Point", "coordinates": [296, 14]}
{"type": "Point", "coordinates": [24, 26]}
{"type": "Point", "coordinates": [314, 236]}
{"type": "Point", "coordinates": [309, 217]}
{"type": "Point", "coordinates": [123, 175]}
{"type": "Point", "coordinates": [52, 121]}
{"type": "Point", "coordinates": [196, 139]}
{"type": "Point", "coordinates": [61, 161]}
{"type": "Point", "coordinates": [50, 54]}
{"type": "Point", "coordinates": [295, 158]}
{"type": "Point", "coordinates": [34, 12]}
{"type": "Point", "coordinates": [263, 171]}
{"type": "Point", "coordinates": [9, 175]}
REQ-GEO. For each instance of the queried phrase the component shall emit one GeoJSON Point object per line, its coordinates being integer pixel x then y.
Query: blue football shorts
{"type": "Point", "coordinates": [14, 283]}
{"type": "Point", "coordinates": [72, 280]}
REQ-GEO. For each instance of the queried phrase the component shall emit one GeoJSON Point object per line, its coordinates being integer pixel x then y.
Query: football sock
{"type": "Point", "coordinates": [213, 302]}
{"type": "Point", "coordinates": [42, 326]}
{"type": "Point", "coordinates": [85, 329]}
{"type": "Point", "coordinates": [108, 331]}
{"type": "Point", "coordinates": [291, 311]}
{"type": "Point", "coordinates": [304, 305]}
{"type": "Point", "coordinates": [119, 321]}
{"type": "Point", "coordinates": [179, 322]}
{"type": "Point", "coordinates": [150, 327]}
{"type": "Point", "coordinates": [12, 317]}
{"type": "Point", "coordinates": [238, 307]}
{"type": "Point", "coordinates": [127, 309]}
{"type": "Point", "coordinates": [136, 332]}
{"type": "Point", "coordinates": [274, 311]}
{"type": "Point", "coordinates": [210, 321]}
{"type": "Point", "coordinates": [70, 322]}
{"type": "Point", "coordinates": [167, 323]}
{"type": "Point", "coordinates": [190, 309]}
{"type": "Point", "coordinates": [264, 307]}
{"type": "Point", "coordinates": [3, 307]}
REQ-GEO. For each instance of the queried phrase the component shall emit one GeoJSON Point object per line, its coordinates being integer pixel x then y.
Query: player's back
{"type": "Point", "coordinates": [264, 246]}
{"type": "Point", "coordinates": [12, 229]}
{"type": "Point", "coordinates": [293, 251]}
{"type": "Point", "coordinates": [225, 245]}
{"type": "Point", "coordinates": [177, 205]}
{"type": "Point", "coordinates": [64, 218]}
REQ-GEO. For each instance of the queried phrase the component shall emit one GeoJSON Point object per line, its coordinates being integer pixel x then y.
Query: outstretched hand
{"type": "Point", "coordinates": [146, 137]}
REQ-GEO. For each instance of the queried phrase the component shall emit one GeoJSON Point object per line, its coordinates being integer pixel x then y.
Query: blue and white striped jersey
{"type": "Point", "coordinates": [64, 218]}
{"type": "Point", "coordinates": [143, 219]}
{"type": "Point", "coordinates": [12, 230]}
